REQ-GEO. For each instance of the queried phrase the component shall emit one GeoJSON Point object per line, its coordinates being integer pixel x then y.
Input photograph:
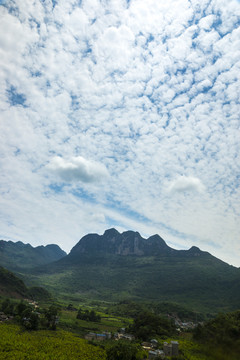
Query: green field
{"type": "Point", "coordinates": [109, 323]}
{"type": "Point", "coordinates": [47, 345]}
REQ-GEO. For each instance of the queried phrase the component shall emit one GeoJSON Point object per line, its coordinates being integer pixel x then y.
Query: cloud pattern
{"type": "Point", "coordinates": [142, 95]}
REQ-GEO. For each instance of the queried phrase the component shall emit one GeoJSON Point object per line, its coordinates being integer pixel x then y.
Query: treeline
{"type": "Point", "coordinates": [132, 309]}
{"type": "Point", "coordinates": [29, 317]}
{"type": "Point", "coordinates": [123, 350]}
{"type": "Point", "coordinates": [146, 326]}
{"type": "Point", "coordinates": [88, 315]}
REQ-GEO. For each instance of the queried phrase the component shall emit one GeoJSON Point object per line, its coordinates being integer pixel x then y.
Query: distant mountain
{"type": "Point", "coordinates": [127, 243]}
{"type": "Point", "coordinates": [11, 285]}
{"type": "Point", "coordinates": [17, 256]}
{"type": "Point", "coordinates": [116, 266]}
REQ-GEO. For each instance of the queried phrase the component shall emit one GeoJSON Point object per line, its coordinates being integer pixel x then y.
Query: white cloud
{"type": "Point", "coordinates": [146, 89]}
{"type": "Point", "coordinates": [185, 183]}
{"type": "Point", "coordinates": [78, 169]}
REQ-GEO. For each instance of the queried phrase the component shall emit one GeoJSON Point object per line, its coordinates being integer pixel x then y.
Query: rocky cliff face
{"type": "Point", "coordinates": [127, 243]}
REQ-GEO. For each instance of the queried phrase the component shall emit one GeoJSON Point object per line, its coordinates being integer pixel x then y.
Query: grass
{"type": "Point", "coordinates": [47, 345]}
{"type": "Point", "coordinates": [68, 321]}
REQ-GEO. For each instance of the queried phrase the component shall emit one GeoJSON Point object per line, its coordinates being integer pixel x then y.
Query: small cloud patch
{"type": "Point", "coordinates": [186, 183]}
{"type": "Point", "coordinates": [78, 169]}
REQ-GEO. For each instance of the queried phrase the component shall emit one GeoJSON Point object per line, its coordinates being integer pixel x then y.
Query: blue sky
{"type": "Point", "coordinates": [121, 113]}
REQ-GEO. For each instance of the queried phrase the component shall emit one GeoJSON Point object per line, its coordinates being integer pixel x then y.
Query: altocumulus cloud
{"type": "Point", "coordinates": [147, 88]}
{"type": "Point", "coordinates": [78, 169]}
{"type": "Point", "coordinates": [186, 183]}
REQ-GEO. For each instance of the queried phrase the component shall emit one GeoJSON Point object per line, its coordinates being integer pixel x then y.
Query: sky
{"type": "Point", "coordinates": [121, 113]}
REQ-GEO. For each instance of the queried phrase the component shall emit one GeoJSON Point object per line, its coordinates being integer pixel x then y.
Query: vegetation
{"type": "Point", "coordinates": [7, 307]}
{"type": "Point", "coordinates": [17, 256]}
{"type": "Point", "coordinates": [29, 317]}
{"type": "Point", "coordinates": [224, 332]}
{"type": "Point", "coordinates": [51, 316]}
{"type": "Point", "coordinates": [149, 287]}
{"type": "Point", "coordinates": [216, 339]}
{"type": "Point", "coordinates": [88, 315]}
{"type": "Point", "coordinates": [94, 270]}
{"type": "Point", "coordinates": [44, 344]}
{"type": "Point", "coordinates": [123, 350]}
{"type": "Point", "coordinates": [147, 326]}
{"type": "Point", "coordinates": [195, 282]}
{"type": "Point", "coordinates": [127, 308]}
{"type": "Point", "coordinates": [40, 294]}
{"type": "Point", "coordinates": [132, 309]}
{"type": "Point", "coordinates": [11, 285]}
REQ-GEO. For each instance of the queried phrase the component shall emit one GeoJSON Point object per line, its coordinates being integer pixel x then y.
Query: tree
{"type": "Point", "coordinates": [51, 316]}
{"type": "Point", "coordinates": [88, 315]}
{"type": "Point", "coordinates": [30, 319]}
{"type": "Point", "coordinates": [7, 307]}
{"type": "Point", "coordinates": [147, 325]}
{"type": "Point", "coordinates": [20, 307]}
{"type": "Point", "coordinates": [124, 351]}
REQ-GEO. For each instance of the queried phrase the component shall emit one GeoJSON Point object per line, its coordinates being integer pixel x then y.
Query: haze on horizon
{"type": "Point", "coordinates": [121, 113]}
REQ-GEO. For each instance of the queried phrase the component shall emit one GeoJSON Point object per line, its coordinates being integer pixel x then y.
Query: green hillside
{"type": "Point", "coordinates": [224, 335]}
{"type": "Point", "coordinates": [11, 285]}
{"type": "Point", "coordinates": [117, 266]}
{"type": "Point", "coordinates": [17, 256]}
{"type": "Point", "coordinates": [47, 345]}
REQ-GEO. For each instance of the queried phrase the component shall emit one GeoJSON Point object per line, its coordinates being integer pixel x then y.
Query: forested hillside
{"type": "Point", "coordinates": [11, 285]}
{"type": "Point", "coordinates": [17, 256]}
{"type": "Point", "coordinates": [123, 266]}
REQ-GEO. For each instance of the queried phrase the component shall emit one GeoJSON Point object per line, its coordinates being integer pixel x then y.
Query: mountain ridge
{"type": "Point", "coordinates": [114, 267]}
{"type": "Point", "coordinates": [17, 256]}
{"type": "Point", "coordinates": [126, 243]}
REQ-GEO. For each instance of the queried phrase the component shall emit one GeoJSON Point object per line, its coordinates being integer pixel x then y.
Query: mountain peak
{"type": "Point", "coordinates": [157, 239]}
{"type": "Point", "coordinates": [195, 251]}
{"type": "Point", "coordinates": [128, 243]}
{"type": "Point", "coordinates": [111, 232]}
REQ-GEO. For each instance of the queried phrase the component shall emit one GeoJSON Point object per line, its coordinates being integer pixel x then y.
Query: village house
{"type": "Point", "coordinates": [168, 349]}
{"type": "Point", "coordinates": [154, 343]}
{"type": "Point", "coordinates": [171, 349]}
{"type": "Point", "coordinates": [90, 336]}
{"type": "Point", "coordinates": [146, 345]}
{"type": "Point", "coordinates": [3, 317]}
{"type": "Point", "coordinates": [121, 335]}
{"type": "Point", "coordinates": [32, 303]}
{"type": "Point", "coordinates": [99, 337]}
{"type": "Point", "coordinates": [156, 353]}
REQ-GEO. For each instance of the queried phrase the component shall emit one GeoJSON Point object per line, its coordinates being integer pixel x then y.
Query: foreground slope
{"type": "Point", "coordinates": [45, 344]}
{"type": "Point", "coordinates": [17, 256]}
{"type": "Point", "coordinates": [116, 266]}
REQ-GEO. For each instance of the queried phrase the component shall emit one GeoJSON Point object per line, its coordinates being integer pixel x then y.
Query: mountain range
{"type": "Point", "coordinates": [125, 266]}
{"type": "Point", "coordinates": [17, 256]}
